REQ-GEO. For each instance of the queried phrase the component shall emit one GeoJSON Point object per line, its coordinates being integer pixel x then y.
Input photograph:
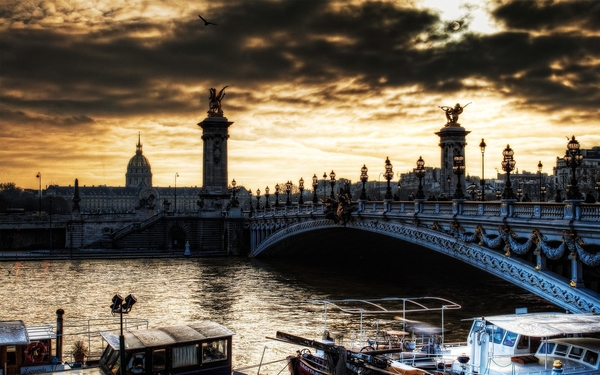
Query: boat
{"type": "Point", "coordinates": [202, 347]}
{"type": "Point", "coordinates": [388, 352]}
{"type": "Point", "coordinates": [530, 343]}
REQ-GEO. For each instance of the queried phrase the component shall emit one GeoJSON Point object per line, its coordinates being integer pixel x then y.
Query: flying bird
{"type": "Point", "coordinates": [206, 23]}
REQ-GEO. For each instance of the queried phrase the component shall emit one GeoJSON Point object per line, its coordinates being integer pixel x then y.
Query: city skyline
{"type": "Point", "coordinates": [313, 86]}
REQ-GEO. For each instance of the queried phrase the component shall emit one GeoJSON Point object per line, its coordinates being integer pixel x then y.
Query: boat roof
{"type": "Point", "coordinates": [547, 324]}
{"type": "Point", "coordinates": [154, 337]}
{"type": "Point", "coordinates": [389, 305]}
{"type": "Point", "coordinates": [15, 332]}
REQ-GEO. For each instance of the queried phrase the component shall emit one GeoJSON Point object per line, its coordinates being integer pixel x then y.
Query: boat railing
{"type": "Point", "coordinates": [88, 330]}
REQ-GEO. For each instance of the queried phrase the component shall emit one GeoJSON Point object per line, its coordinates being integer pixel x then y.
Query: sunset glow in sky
{"type": "Point", "coordinates": [314, 85]}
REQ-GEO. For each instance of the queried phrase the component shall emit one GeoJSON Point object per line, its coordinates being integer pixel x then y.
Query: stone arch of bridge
{"type": "Point", "coordinates": [549, 286]}
{"type": "Point", "coordinates": [177, 234]}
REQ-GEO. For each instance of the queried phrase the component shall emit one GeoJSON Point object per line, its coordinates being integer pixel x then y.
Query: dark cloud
{"type": "Point", "coordinates": [141, 67]}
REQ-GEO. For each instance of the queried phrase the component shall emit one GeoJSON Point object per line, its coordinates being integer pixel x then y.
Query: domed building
{"type": "Point", "coordinates": [139, 171]}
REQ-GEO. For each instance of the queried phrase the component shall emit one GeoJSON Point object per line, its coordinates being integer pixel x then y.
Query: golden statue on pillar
{"type": "Point", "coordinates": [214, 103]}
{"type": "Point", "coordinates": [453, 112]}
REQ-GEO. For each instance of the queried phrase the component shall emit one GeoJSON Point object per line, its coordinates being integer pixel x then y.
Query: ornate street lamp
{"type": "Point", "coordinates": [573, 158]}
{"type": "Point", "coordinates": [122, 306]}
{"type": "Point", "coordinates": [508, 165]}
{"type": "Point", "coordinates": [315, 185]}
{"type": "Point", "coordinates": [420, 173]}
{"type": "Point", "coordinates": [176, 175]}
{"type": "Point", "coordinates": [277, 188]}
{"type": "Point", "coordinates": [332, 182]}
{"type": "Point", "coordinates": [543, 194]}
{"type": "Point", "coordinates": [482, 147]}
{"type": "Point", "coordinates": [267, 205]}
{"type": "Point", "coordinates": [301, 188]}
{"type": "Point", "coordinates": [257, 199]}
{"type": "Point", "coordinates": [498, 194]}
{"type": "Point", "coordinates": [472, 190]}
{"type": "Point", "coordinates": [233, 188]}
{"type": "Point", "coordinates": [540, 166]}
{"type": "Point", "coordinates": [519, 193]}
{"type": "Point", "coordinates": [39, 175]}
{"type": "Point", "coordinates": [364, 177]}
{"type": "Point", "coordinates": [389, 174]}
{"type": "Point", "coordinates": [399, 190]}
{"type": "Point", "coordinates": [288, 191]}
{"type": "Point", "coordinates": [324, 185]}
{"type": "Point", "coordinates": [458, 168]}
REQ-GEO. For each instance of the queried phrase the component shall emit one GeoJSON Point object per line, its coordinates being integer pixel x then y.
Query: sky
{"type": "Point", "coordinates": [313, 85]}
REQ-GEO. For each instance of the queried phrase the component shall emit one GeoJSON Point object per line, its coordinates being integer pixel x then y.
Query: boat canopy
{"type": "Point", "coordinates": [547, 324]}
{"type": "Point", "coordinates": [13, 332]}
{"type": "Point", "coordinates": [390, 305]}
{"type": "Point", "coordinates": [153, 337]}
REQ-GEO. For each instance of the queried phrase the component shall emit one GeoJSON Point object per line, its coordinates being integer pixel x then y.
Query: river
{"type": "Point", "coordinates": [254, 298]}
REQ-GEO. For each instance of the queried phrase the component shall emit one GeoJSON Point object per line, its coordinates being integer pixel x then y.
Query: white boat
{"type": "Point", "coordinates": [530, 343]}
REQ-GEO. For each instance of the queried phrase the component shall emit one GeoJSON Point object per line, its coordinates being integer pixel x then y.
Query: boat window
{"type": "Point", "coordinates": [575, 352]}
{"type": "Point", "coordinates": [523, 342]}
{"type": "Point", "coordinates": [158, 360]}
{"type": "Point", "coordinates": [11, 355]}
{"type": "Point", "coordinates": [546, 348]}
{"type": "Point", "coordinates": [185, 356]}
{"type": "Point", "coordinates": [498, 334]}
{"type": "Point", "coordinates": [561, 349]}
{"type": "Point", "coordinates": [590, 357]}
{"type": "Point", "coordinates": [510, 339]}
{"type": "Point", "coordinates": [214, 351]}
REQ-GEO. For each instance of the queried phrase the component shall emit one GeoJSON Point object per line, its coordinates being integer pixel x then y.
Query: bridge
{"type": "Point", "coordinates": [549, 249]}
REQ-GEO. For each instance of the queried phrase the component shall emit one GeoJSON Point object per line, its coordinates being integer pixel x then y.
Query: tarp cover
{"type": "Point", "coordinates": [547, 324]}
{"type": "Point", "coordinates": [13, 332]}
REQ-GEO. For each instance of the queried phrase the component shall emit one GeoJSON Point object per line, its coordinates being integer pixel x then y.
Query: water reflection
{"type": "Point", "coordinates": [252, 298]}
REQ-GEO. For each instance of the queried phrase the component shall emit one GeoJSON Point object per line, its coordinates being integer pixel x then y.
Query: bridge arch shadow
{"type": "Point", "coordinates": [361, 238]}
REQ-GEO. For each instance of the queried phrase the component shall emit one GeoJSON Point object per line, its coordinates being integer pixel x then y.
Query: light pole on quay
{"type": "Point", "coordinates": [482, 147]}
{"type": "Point", "coordinates": [176, 175]}
{"type": "Point", "coordinates": [363, 178]}
{"type": "Point", "coordinates": [301, 187]}
{"type": "Point", "coordinates": [122, 306]}
{"type": "Point", "coordinates": [315, 185]}
{"type": "Point", "coordinates": [39, 175]}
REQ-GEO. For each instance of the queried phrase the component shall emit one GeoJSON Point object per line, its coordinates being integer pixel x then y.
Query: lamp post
{"type": "Point", "coordinates": [39, 175]}
{"type": "Point", "coordinates": [543, 194]}
{"type": "Point", "coordinates": [288, 191]}
{"type": "Point", "coordinates": [324, 185]}
{"type": "Point", "coordinates": [498, 194]}
{"type": "Point", "coordinates": [122, 306]}
{"type": "Point", "coordinates": [482, 147]}
{"type": "Point", "coordinates": [332, 182]}
{"type": "Point", "coordinates": [448, 180]}
{"type": "Point", "coordinates": [540, 166]}
{"type": "Point", "coordinates": [399, 190]}
{"type": "Point", "coordinates": [315, 185]}
{"type": "Point", "coordinates": [420, 173]}
{"type": "Point", "coordinates": [472, 190]}
{"type": "Point", "coordinates": [519, 193]}
{"type": "Point", "coordinates": [51, 201]}
{"type": "Point", "coordinates": [257, 200]}
{"type": "Point", "coordinates": [573, 158]}
{"type": "Point", "coordinates": [508, 165]}
{"type": "Point", "coordinates": [301, 187]}
{"type": "Point", "coordinates": [176, 175]}
{"type": "Point", "coordinates": [389, 174]}
{"type": "Point", "coordinates": [364, 177]}
{"type": "Point", "coordinates": [267, 205]}
{"type": "Point", "coordinates": [458, 168]}
{"type": "Point", "coordinates": [277, 189]}
{"type": "Point", "coordinates": [233, 189]}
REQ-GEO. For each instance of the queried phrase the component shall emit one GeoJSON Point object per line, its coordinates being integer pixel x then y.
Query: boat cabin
{"type": "Point", "coordinates": [522, 342]}
{"type": "Point", "coordinates": [198, 348]}
{"type": "Point", "coordinates": [26, 350]}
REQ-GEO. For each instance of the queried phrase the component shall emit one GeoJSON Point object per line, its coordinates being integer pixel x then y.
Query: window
{"type": "Point", "coordinates": [590, 357]}
{"type": "Point", "coordinates": [158, 360]}
{"type": "Point", "coordinates": [546, 348]}
{"type": "Point", "coordinates": [561, 349]}
{"type": "Point", "coordinates": [575, 352]}
{"type": "Point", "coordinates": [11, 355]}
{"type": "Point", "coordinates": [185, 356]}
{"type": "Point", "coordinates": [510, 339]}
{"type": "Point", "coordinates": [214, 351]}
{"type": "Point", "coordinates": [498, 333]}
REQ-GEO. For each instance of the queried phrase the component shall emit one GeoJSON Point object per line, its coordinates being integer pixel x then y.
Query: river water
{"type": "Point", "coordinates": [254, 298]}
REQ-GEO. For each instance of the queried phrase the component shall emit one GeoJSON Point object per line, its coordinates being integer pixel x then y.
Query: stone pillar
{"type": "Point", "coordinates": [453, 139]}
{"type": "Point", "coordinates": [214, 165]}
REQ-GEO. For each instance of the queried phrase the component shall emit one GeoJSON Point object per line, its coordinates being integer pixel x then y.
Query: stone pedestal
{"type": "Point", "coordinates": [453, 139]}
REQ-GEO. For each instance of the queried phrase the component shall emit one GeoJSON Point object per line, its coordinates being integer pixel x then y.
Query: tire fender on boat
{"type": "Point", "coordinates": [137, 363]}
{"type": "Point", "coordinates": [35, 352]}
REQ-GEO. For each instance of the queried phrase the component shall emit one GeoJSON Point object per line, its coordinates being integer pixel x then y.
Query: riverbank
{"type": "Point", "coordinates": [66, 254]}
